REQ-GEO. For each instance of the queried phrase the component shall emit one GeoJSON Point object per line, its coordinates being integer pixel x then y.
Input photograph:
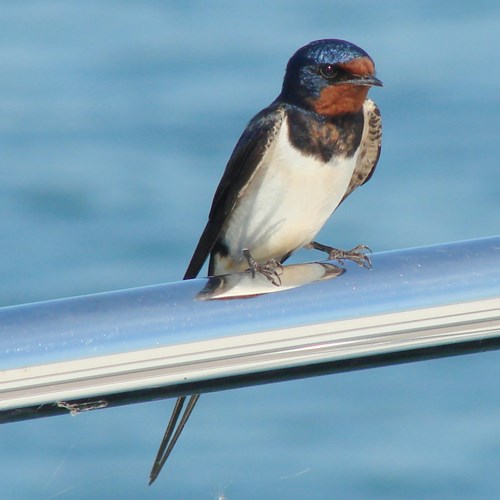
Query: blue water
{"type": "Point", "coordinates": [116, 120]}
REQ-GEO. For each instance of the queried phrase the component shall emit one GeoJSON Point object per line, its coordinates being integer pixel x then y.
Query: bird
{"type": "Point", "coordinates": [295, 163]}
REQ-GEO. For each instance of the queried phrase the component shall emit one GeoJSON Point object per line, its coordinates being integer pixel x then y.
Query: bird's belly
{"type": "Point", "coordinates": [284, 206]}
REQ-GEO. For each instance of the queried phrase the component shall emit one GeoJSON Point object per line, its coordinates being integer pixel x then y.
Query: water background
{"type": "Point", "coordinates": [116, 121]}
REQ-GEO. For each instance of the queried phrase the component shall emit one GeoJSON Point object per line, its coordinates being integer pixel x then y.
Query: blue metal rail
{"type": "Point", "coordinates": [82, 353]}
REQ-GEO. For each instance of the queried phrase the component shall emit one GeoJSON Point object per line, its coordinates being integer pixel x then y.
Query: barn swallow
{"type": "Point", "coordinates": [295, 163]}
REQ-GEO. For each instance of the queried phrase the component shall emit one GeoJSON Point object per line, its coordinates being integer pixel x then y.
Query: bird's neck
{"type": "Point", "coordinates": [325, 136]}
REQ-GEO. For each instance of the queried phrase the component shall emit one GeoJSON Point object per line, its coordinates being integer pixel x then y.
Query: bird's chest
{"type": "Point", "coordinates": [287, 201]}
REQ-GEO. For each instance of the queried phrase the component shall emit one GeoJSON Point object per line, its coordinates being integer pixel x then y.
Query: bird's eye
{"type": "Point", "coordinates": [328, 71]}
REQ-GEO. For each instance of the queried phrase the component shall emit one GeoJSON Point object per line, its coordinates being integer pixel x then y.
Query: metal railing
{"type": "Point", "coordinates": [202, 335]}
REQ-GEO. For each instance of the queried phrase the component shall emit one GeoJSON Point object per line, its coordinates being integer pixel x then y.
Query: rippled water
{"type": "Point", "coordinates": [116, 120]}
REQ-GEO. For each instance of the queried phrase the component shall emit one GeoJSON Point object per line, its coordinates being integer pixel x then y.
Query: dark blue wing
{"type": "Point", "coordinates": [371, 144]}
{"type": "Point", "coordinates": [245, 159]}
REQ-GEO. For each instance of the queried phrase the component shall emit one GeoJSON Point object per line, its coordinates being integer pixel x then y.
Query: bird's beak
{"type": "Point", "coordinates": [368, 80]}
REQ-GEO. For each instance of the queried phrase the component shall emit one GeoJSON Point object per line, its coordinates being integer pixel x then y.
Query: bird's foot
{"type": "Point", "coordinates": [272, 269]}
{"type": "Point", "coordinates": [357, 254]}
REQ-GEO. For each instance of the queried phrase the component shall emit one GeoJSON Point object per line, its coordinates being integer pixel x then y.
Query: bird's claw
{"type": "Point", "coordinates": [271, 270]}
{"type": "Point", "coordinates": [357, 255]}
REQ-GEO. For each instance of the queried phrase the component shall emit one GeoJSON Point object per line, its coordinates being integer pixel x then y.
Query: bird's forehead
{"type": "Point", "coordinates": [359, 66]}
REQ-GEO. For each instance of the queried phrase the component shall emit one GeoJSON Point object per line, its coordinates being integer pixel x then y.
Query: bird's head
{"type": "Point", "coordinates": [331, 77]}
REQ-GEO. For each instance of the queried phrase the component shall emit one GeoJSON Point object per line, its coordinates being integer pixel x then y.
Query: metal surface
{"type": "Point", "coordinates": [83, 353]}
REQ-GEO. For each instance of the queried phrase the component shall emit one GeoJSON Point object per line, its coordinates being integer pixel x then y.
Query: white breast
{"type": "Point", "coordinates": [285, 204]}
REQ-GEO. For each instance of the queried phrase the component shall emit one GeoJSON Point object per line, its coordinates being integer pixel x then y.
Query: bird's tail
{"type": "Point", "coordinates": [172, 433]}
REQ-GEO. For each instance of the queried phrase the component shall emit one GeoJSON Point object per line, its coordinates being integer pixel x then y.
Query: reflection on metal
{"type": "Point", "coordinates": [82, 353]}
{"type": "Point", "coordinates": [240, 285]}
